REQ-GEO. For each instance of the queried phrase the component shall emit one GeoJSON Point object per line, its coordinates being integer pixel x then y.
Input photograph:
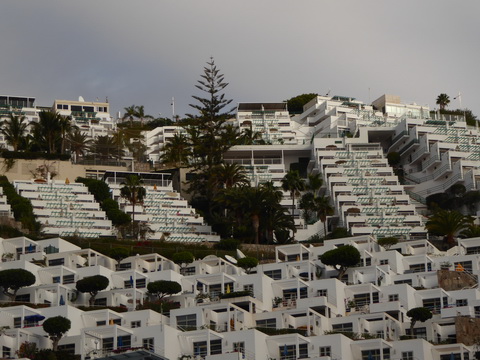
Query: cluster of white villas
{"type": "Point", "coordinates": [293, 308]}
{"type": "Point", "coordinates": [68, 209]}
{"type": "Point", "coordinates": [92, 118]}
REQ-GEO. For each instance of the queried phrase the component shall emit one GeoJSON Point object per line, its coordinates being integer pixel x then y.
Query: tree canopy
{"type": "Point", "coordinates": [448, 223]}
{"type": "Point", "coordinates": [56, 327]}
{"type": "Point", "coordinates": [247, 263]}
{"type": "Point", "coordinates": [92, 285]}
{"type": "Point", "coordinates": [296, 103]}
{"type": "Point", "coordinates": [421, 314]}
{"type": "Point", "coordinates": [11, 280]}
{"type": "Point", "coordinates": [341, 258]}
{"type": "Point", "coordinates": [162, 288]}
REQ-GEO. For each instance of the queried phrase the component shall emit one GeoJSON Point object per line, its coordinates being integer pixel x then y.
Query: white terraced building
{"type": "Point", "coordinates": [18, 106]}
{"type": "Point", "coordinates": [292, 308]}
{"type": "Point", "coordinates": [155, 141]}
{"type": "Point", "coordinates": [164, 211]}
{"type": "Point", "coordinates": [64, 208]}
{"type": "Point", "coordinates": [5, 209]}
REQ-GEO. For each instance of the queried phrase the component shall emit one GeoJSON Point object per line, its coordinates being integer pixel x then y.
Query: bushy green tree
{"type": "Point", "coordinates": [92, 285]}
{"type": "Point", "coordinates": [247, 263]}
{"type": "Point", "coordinates": [341, 258]}
{"type": "Point", "coordinates": [56, 327]}
{"type": "Point", "coordinates": [11, 280]}
{"type": "Point", "coordinates": [183, 257]}
{"type": "Point", "coordinates": [296, 103]}
{"type": "Point", "coordinates": [421, 314]}
{"type": "Point", "coordinates": [162, 288]}
{"type": "Point", "coordinates": [387, 242]}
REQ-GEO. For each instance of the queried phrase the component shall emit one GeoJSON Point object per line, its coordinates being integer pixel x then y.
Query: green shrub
{"type": "Point", "coordinates": [227, 244]}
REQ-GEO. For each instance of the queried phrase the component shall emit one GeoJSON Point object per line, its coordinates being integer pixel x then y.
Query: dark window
{"type": "Point", "coordinates": [17, 322]}
{"type": "Point", "coordinates": [149, 344]}
{"type": "Point", "coordinates": [124, 342]}
{"type": "Point", "coordinates": [274, 274]}
{"type": "Point", "coordinates": [136, 324]}
{"type": "Point", "coordinates": [6, 352]}
{"type": "Point", "coordinates": [467, 265]}
{"type": "Point", "coordinates": [420, 333]}
{"type": "Point", "coordinates": [344, 327]}
{"type": "Point", "coordinates": [187, 321]}
{"type": "Point", "coordinates": [239, 347]}
{"type": "Point", "coordinates": [101, 302]}
{"type": "Point", "coordinates": [462, 302]}
{"type": "Point", "coordinates": [267, 323]}
{"type": "Point", "coordinates": [406, 281]}
{"type": "Point", "coordinates": [407, 355]}
{"type": "Point", "coordinates": [325, 351]}
{"type": "Point", "coordinates": [69, 279]}
{"type": "Point", "coordinates": [107, 344]}
{"type": "Point", "coordinates": [69, 348]}
{"type": "Point", "coordinates": [101, 323]}
{"type": "Point", "coordinates": [55, 262]}
{"type": "Point", "coordinates": [200, 348]}
{"type": "Point", "coordinates": [290, 351]}
{"type": "Point", "coordinates": [393, 297]}
{"type": "Point", "coordinates": [76, 108]}
{"type": "Point", "coordinates": [23, 298]}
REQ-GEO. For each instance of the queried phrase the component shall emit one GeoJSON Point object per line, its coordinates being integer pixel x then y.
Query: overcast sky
{"type": "Point", "coordinates": [146, 52]}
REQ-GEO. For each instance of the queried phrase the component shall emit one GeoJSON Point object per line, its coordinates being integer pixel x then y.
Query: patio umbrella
{"type": "Point", "coordinates": [370, 356]}
{"type": "Point", "coordinates": [131, 280]}
{"type": "Point", "coordinates": [119, 341]}
{"type": "Point", "coordinates": [285, 350]}
{"type": "Point", "coordinates": [62, 301]}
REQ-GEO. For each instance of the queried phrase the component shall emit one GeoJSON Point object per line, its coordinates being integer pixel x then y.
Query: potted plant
{"type": "Point", "coordinates": [7, 256]}
{"type": "Point", "coordinates": [445, 265]}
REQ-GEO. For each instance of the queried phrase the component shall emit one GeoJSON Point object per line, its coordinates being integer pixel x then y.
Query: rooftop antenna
{"type": "Point", "coordinates": [459, 97]}
{"type": "Point", "coordinates": [173, 108]}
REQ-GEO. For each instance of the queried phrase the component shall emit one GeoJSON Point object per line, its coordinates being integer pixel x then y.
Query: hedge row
{"type": "Point", "coordinates": [22, 208]}
{"type": "Point", "coordinates": [33, 155]}
{"type": "Point", "coordinates": [102, 193]}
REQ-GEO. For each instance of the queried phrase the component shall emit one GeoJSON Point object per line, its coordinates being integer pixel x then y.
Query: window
{"type": "Point", "coordinates": [420, 333]}
{"type": "Point", "coordinates": [107, 343]}
{"type": "Point", "coordinates": [239, 347]}
{"type": "Point", "coordinates": [6, 352]}
{"type": "Point", "coordinates": [101, 302]}
{"type": "Point", "coordinates": [344, 327]}
{"type": "Point", "coordinates": [69, 348]}
{"type": "Point", "coordinates": [407, 355]}
{"type": "Point", "coordinates": [325, 351]}
{"type": "Point", "coordinates": [393, 297]}
{"type": "Point", "coordinates": [374, 354]}
{"type": "Point", "coordinates": [188, 271]}
{"type": "Point", "coordinates": [417, 267]}
{"type": "Point", "coordinates": [248, 287]}
{"type": "Point", "coordinates": [200, 348]}
{"type": "Point", "coordinates": [384, 262]}
{"type": "Point", "coordinates": [23, 298]}
{"type": "Point", "coordinates": [148, 344]}
{"type": "Point", "coordinates": [101, 323]}
{"type": "Point", "coordinates": [17, 322]}
{"type": "Point", "coordinates": [322, 292]}
{"type": "Point", "coordinates": [290, 351]}
{"type": "Point", "coordinates": [56, 262]}
{"type": "Point", "coordinates": [274, 274]}
{"type": "Point", "coordinates": [124, 342]}
{"type": "Point", "coordinates": [135, 324]}
{"type": "Point", "coordinates": [467, 265]}
{"type": "Point", "coordinates": [462, 302]}
{"type": "Point", "coordinates": [267, 323]}
{"type": "Point", "coordinates": [187, 321]}
{"type": "Point", "coordinates": [69, 279]}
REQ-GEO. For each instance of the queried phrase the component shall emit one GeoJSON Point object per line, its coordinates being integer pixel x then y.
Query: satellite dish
{"type": "Point", "coordinates": [231, 259]}
{"type": "Point", "coordinates": [81, 99]}
{"type": "Point", "coordinates": [240, 254]}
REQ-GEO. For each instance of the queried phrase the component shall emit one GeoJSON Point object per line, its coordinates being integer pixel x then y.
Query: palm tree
{"type": "Point", "coordinates": [323, 209]}
{"type": "Point", "coordinates": [250, 137]}
{"type": "Point", "coordinates": [140, 113]}
{"type": "Point", "coordinates": [471, 231]}
{"type": "Point", "coordinates": [106, 147]}
{"type": "Point", "coordinates": [230, 175]}
{"type": "Point", "coordinates": [14, 130]}
{"type": "Point", "coordinates": [79, 143]}
{"type": "Point", "coordinates": [133, 191]}
{"type": "Point", "coordinates": [130, 114]}
{"type": "Point", "coordinates": [176, 151]}
{"type": "Point", "coordinates": [47, 131]}
{"type": "Point", "coordinates": [293, 183]}
{"type": "Point", "coordinates": [314, 183]}
{"type": "Point", "coordinates": [448, 223]}
{"type": "Point", "coordinates": [443, 100]}
{"type": "Point", "coordinates": [65, 129]}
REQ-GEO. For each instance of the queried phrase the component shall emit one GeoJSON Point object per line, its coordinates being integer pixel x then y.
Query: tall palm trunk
{"type": "Point", "coordinates": [256, 226]}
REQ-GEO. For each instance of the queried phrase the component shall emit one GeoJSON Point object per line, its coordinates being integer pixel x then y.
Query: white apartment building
{"type": "Point", "coordinates": [292, 308]}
